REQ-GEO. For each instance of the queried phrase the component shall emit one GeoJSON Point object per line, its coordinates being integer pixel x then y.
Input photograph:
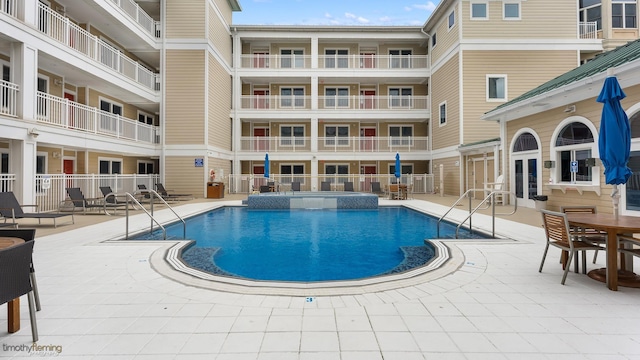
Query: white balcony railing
{"type": "Point", "coordinates": [66, 32]}
{"type": "Point", "coordinates": [8, 98]}
{"type": "Point", "coordinates": [364, 62]}
{"type": "Point", "coordinates": [350, 144]}
{"type": "Point", "coordinates": [355, 102]}
{"type": "Point", "coordinates": [61, 112]}
{"type": "Point", "coordinates": [132, 9]}
{"type": "Point", "coordinates": [588, 30]}
{"type": "Point", "coordinates": [10, 7]}
{"type": "Point", "coordinates": [260, 102]}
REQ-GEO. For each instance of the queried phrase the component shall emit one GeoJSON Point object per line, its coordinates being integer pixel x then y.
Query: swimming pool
{"type": "Point", "coordinates": [309, 245]}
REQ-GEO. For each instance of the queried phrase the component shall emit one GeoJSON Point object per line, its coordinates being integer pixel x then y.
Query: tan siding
{"type": "Point", "coordinates": [225, 10]}
{"type": "Point", "coordinates": [541, 66]}
{"type": "Point", "coordinates": [219, 35]}
{"type": "Point", "coordinates": [55, 90]}
{"type": "Point", "coordinates": [446, 80]}
{"type": "Point", "coordinates": [185, 105]}
{"type": "Point", "coordinates": [217, 165]}
{"type": "Point", "coordinates": [534, 14]}
{"type": "Point", "coordinates": [445, 37]}
{"type": "Point", "coordinates": [451, 175]}
{"type": "Point", "coordinates": [185, 19]}
{"type": "Point", "coordinates": [183, 177]}
{"type": "Point", "coordinates": [128, 111]}
{"type": "Point", "coordinates": [219, 105]}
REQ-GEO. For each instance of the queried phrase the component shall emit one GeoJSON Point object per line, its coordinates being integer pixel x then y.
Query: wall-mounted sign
{"type": "Point", "coordinates": [199, 162]}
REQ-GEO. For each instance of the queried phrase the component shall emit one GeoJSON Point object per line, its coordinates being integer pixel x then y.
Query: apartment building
{"type": "Point", "coordinates": [172, 87]}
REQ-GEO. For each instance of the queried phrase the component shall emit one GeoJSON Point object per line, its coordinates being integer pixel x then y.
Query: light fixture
{"type": "Point", "coordinates": [34, 132]}
{"type": "Point", "coordinates": [57, 82]}
{"type": "Point", "coordinates": [56, 155]}
{"type": "Point", "coordinates": [570, 109]}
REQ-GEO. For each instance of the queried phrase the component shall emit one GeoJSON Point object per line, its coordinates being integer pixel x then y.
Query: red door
{"type": "Point", "coordinates": [260, 99]}
{"type": "Point", "coordinates": [67, 168]}
{"type": "Point", "coordinates": [261, 139]}
{"type": "Point", "coordinates": [258, 180]}
{"type": "Point", "coordinates": [367, 99]}
{"type": "Point", "coordinates": [369, 172]}
{"type": "Point", "coordinates": [260, 60]}
{"type": "Point", "coordinates": [368, 60]}
{"type": "Point", "coordinates": [368, 142]}
{"type": "Point", "coordinates": [70, 113]}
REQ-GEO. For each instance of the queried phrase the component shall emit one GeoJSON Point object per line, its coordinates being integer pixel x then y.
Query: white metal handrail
{"type": "Point", "coordinates": [136, 13]}
{"type": "Point", "coordinates": [8, 98]}
{"type": "Point", "coordinates": [353, 61]}
{"type": "Point", "coordinates": [336, 144]}
{"type": "Point", "coordinates": [338, 102]}
{"type": "Point", "coordinates": [66, 32]}
{"type": "Point", "coordinates": [68, 114]}
{"type": "Point", "coordinates": [588, 30]}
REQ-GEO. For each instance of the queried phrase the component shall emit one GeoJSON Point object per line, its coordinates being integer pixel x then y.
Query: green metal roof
{"type": "Point", "coordinates": [611, 59]}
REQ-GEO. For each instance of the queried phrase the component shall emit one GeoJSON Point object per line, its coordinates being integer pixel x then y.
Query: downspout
{"type": "Point", "coordinates": [429, 102]}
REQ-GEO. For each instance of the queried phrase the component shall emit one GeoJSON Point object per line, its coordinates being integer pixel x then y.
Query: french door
{"type": "Point", "coordinates": [526, 180]}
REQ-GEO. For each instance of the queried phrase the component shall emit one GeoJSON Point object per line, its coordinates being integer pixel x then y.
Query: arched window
{"type": "Point", "coordinates": [525, 142]}
{"type": "Point", "coordinates": [574, 146]}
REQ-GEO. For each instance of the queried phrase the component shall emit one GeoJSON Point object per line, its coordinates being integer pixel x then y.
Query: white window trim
{"type": "Point", "coordinates": [434, 37]}
{"type": "Point", "coordinates": [111, 103]}
{"type": "Point", "coordinates": [146, 162]}
{"type": "Point", "coordinates": [446, 114]}
{"type": "Point", "coordinates": [554, 151]}
{"type": "Point", "coordinates": [44, 154]}
{"type": "Point", "coordinates": [504, 5]}
{"type": "Point", "coordinates": [337, 138]}
{"type": "Point", "coordinates": [294, 141]}
{"type": "Point", "coordinates": [146, 114]}
{"type": "Point", "coordinates": [451, 26]}
{"type": "Point", "coordinates": [293, 58]}
{"type": "Point", "coordinates": [506, 88]}
{"type": "Point", "coordinates": [292, 175]}
{"type": "Point", "coordinates": [486, 5]}
{"type": "Point", "coordinates": [110, 160]}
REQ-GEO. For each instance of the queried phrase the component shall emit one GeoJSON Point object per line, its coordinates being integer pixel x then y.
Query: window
{"type": "Point", "coordinates": [291, 58]}
{"type": "Point", "coordinates": [404, 170]}
{"type": "Point", "coordinates": [109, 122]}
{"type": "Point", "coordinates": [292, 97]}
{"type": "Point", "coordinates": [623, 14]}
{"type": "Point", "coordinates": [434, 40]}
{"type": "Point", "coordinates": [291, 172]}
{"type": "Point", "coordinates": [452, 19]}
{"type": "Point", "coordinates": [145, 118]}
{"type": "Point", "coordinates": [401, 135]}
{"type": "Point", "coordinates": [110, 166]}
{"type": "Point", "coordinates": [336, 59]}
{"type": "Point", "coordinates": [591, 11]}
{"type": "Point", "coordinates": [525, 142]}
{"type": "Point", "coordinates": [145, 167]}
{"type": "Point", "coordinates": [573, 146]}
{"type": "Point", "coordinates": [443, 113]}
{"type": "Point", "coordinates": [400, 59]}
{"type": "Point", "coordinates": [43, 87]}
{"type": "Point", "coordinates": [479, 11]}
{"type": "Point", "coordinates": [336, 97]}
{"type": "Point", "coordinates": [339, 132]}
{"type": "Point", "coordinates": [292, 135]}
{"type": "Point", "coordinates": [496, 87]}
{"type": "Point", "coordinates": [41, 168]}
{"type": "Point", "coordinates": [511, 11]}
{"type": "Point", "coordinates": [400, 97]}
{"type": "Point", "coordinates": [332, 172]}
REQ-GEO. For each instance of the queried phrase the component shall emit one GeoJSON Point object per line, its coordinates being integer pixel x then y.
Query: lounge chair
{"type": "Point", "coordinates": [376, 189]}
{"type": "Point", "coordinates": [325, 186]}
{"type": "Point", "coordinates": [348, 186]}
{"type": "Point", "coordinates": [110, 196]}
{"type": "Point", "coordinates": [79, 201]}
{"type": "Point", "coordinates": [10, 208]}
{"type": "Point", "coordinates": [295, 186]}
{"type": "Point", "coordinates": [165, 194]}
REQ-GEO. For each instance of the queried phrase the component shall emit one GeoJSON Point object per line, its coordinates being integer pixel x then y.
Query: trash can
{"type": "Point", "coordinates": [215, 190]}
{"type": "Point", "coordinates": [541, 202]}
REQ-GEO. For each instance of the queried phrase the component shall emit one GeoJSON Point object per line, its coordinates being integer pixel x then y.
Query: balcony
{"type": "Point", "coordinates": [60, 112]}
{"type": "Point", "coordinates": [61, 29]}
{"type": "Point", "coordinates": [352, 144]}
{"type": "Point", "coordinates": [341, 103]}
{"type": "Point", "coordinates": [364, 62]}
{"type": "Point", "coordinates": [588, 30]}
{"type": "Point", "coordinates": [8, 98]}
{"type": "Point", "coordinates": [138, 15]}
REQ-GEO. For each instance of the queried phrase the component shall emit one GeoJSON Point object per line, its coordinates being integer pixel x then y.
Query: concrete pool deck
{"type": "Point", "coordinates": [104, 300]}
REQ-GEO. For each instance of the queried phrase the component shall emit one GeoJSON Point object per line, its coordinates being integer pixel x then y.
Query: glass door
{"type": "Point", "coordinates": [526, 184]}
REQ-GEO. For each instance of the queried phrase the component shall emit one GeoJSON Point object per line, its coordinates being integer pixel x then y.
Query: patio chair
{"type": "Point", "coordinates": [629, 245]}
{"type": "Point", "coordinates": [14, 278]}
{"type": "Point", "coordinates": [325, 186]}
{"type": "Point", "coordinates": [26, 235]}
{"type": "Point", "coordinates": [295, 186]}
{"type": "Point", "coordinates": [265, 188]}
{"type": "Point", "coordinates": [348, 186]}
{"type": "Point", "coordinates": [590, 235]}
{"type": "Point", "coordinates": [496, 186]}
{"type": "Point", "coordinates": [10, 208]}
{"type": "Point", "coordinates": [165, 193]}
{"type": "Point", "coordinates": [558, 234]}
{"type": "Point", "coordinates": [376, 189]}
{"type": "Point", "coordinates": [110, 196]}
{"type": "Point", "coordinates": [76, 197]}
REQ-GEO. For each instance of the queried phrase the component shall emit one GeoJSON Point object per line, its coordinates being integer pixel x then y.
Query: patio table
{"type": "Point", "coordinates": [13, 306]}
{"type": "Point", "coordinates": [613, 227]}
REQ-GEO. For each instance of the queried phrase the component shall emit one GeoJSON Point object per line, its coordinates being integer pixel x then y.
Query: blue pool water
{"type": "Point", "coordinates": [309, 245]}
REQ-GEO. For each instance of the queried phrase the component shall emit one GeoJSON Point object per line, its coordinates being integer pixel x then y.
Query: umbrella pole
{"type": "Point", "coordinates": [615, 197]}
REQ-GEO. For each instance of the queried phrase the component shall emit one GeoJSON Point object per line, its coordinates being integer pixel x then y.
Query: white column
{"type": "Point", "coordinates": [24, 70]}
{"type": "Point", "coordinates": [22, 163]}
{"type": "Point", "coordinates": [314, 52]}
{"type": "Point", "coordinates": [31, 12]}
{"type": "Point", "coordinates": [236, 104]}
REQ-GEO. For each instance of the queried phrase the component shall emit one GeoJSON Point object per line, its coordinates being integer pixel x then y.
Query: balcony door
{"type": "Point", "coordinates": [261, 138]}
{"type": "Point", "coordinates": [258, 171]}
{"type": "Point", "coordinates": [369, 171]}
{"type": "Point", "coordinates": [368, 60]}
{"type": "Point", "coordinates": [71, 121]}
{"type": "Point", "coordinates": [367, 99]}
{"type": "Point", "coordinates": [261, 59]}
{"type": "Point", "coordinates": [368, 141]}
{"type": "Point", "coordinates": [260, 98]}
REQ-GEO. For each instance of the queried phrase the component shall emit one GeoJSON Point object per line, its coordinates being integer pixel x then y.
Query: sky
{"type": "Point", "coordinates": [335, 12]}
